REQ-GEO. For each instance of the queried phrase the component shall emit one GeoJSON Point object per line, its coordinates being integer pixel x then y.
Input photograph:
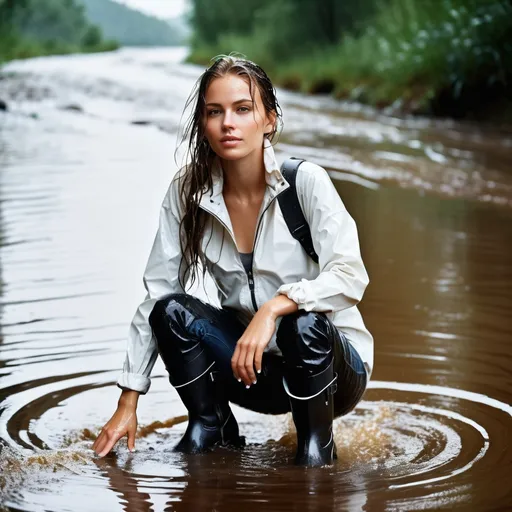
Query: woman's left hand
{"type": "Point", "coordinates": [249, 349]}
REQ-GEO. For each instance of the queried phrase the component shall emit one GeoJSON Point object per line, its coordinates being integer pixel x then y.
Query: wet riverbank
{"type": "Point", "coordinates": [80, 190]}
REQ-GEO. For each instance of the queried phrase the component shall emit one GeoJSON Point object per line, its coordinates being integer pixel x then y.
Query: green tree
{"type": "Point", "coordinates": [92, 37]}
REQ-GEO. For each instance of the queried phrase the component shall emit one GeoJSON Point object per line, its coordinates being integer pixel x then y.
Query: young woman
{"type": "Point", "coordinates": [288, 335]}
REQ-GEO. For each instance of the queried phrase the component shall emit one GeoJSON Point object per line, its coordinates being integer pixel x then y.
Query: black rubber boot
{"type": "Point", "coordinates": [211, 422]}
{"type": "Point", "coordinates": [192, 372]}
{"type": "Point", "coordinates": [311, 399]}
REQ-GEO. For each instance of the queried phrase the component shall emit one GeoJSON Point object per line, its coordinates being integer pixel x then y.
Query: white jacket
{"type": "Point", "coordinates": [280, 265]}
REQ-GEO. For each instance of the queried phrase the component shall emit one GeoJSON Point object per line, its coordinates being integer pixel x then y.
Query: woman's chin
{"type": "Point", "coordinates": [231, 154]}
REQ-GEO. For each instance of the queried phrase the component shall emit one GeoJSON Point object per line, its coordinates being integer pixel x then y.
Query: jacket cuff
{"type": "Point", "coordinates": [134, 382]}
{"type": "Point", "coordinates": [301, 293]}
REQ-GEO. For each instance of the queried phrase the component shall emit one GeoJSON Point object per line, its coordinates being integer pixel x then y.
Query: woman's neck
{"type": "Point", "coordinates": [244, 179]}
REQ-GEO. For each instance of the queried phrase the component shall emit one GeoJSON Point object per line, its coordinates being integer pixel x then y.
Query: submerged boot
{"type": "Point", "coordinates": [311, 399]}
{"type": "Point", "coordinates": [211, 422]}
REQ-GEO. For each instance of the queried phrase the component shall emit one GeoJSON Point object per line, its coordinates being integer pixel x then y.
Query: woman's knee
{"type": "Point", "coordinates": [306, 338]}
{"type": "Point", "coordinates": [172, 314]}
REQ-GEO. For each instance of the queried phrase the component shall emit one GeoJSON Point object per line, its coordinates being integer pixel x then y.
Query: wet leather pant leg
{"type": "Point", "coordinates": [352, 378]}
{"type": "Point", "coordinates": [309, 340]}
{"type": "Point", "coordinates": [185, 326]}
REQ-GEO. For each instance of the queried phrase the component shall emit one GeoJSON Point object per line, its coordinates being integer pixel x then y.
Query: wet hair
{"type": "Point", "coordinates": [196, 177]}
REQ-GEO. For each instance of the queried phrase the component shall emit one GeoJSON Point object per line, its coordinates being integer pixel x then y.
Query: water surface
{"type": "Point", "coordinates": [86, 154]}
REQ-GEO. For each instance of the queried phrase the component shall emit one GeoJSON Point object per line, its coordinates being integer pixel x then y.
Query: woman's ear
{"type": "Point", "coordinates": [271, 123]}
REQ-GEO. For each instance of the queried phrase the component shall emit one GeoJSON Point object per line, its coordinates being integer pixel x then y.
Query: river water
{"type": "Point", "coordinates": [86, 154]}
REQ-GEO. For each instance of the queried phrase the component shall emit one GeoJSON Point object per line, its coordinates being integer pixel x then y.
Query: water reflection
{"type": "Point", "coordinates": [225, 482]}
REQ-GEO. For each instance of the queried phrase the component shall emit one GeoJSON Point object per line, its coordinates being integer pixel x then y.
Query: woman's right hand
{"type": "Point", "coordinates": [123, 422]}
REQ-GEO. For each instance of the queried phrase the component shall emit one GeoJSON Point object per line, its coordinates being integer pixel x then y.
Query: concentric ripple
{"type": "Point", "coordinates": [402, 436]}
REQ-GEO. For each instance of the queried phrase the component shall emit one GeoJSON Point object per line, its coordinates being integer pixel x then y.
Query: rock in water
{"type": "Point", "coordinates": [72, 108]}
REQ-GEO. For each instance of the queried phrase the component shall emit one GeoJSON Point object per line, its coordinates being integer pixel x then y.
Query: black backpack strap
{"type": "Point", "coordinates": [292, 212]}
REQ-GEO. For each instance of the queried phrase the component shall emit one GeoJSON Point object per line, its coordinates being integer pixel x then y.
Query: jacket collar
{"type": "Point", "coordinates": [213, 200]}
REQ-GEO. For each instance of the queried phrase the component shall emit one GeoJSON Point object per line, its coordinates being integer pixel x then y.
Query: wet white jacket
{"type": "Point", "coordinates": [280, 265]}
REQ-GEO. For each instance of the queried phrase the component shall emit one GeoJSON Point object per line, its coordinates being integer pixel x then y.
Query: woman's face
{"type": "Point", "coordinates": [230, 114]}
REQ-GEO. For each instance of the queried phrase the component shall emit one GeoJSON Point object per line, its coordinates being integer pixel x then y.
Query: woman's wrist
{"type": "Point", "coordinates": [280, 305]}
{"type": "Point", "coordinates": [129, 398]}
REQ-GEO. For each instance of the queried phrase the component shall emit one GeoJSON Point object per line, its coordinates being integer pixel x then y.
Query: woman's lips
{"type": "Point", "coordinates": [230, 143]}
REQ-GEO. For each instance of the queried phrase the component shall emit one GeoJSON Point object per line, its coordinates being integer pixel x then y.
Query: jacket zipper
{"type": "Point", "coordinates": [250, 275]}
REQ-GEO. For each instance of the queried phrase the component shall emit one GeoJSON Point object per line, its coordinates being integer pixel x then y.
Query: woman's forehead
{"type": "Point", "coordinates": [230, 89]}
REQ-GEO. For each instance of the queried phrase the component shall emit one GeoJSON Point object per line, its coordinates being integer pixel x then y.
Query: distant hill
{"type": "Point", "coordinates": [182, 25]}
{"type": "Point", "coordinates": [134, 28]}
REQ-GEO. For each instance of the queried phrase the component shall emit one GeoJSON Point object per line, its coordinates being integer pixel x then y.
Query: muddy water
{"type": "Point", "coordinates": [86, 152]}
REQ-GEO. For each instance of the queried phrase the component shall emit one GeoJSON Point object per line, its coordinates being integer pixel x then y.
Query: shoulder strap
{"type": "Point", "coordinates": [292, 212]}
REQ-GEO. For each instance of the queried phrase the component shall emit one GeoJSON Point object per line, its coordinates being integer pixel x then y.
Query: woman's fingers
{"type": "Point", "coordinates": [234, 362]}
{"type": "Point", "coordinates": [258, 356]}
{"type": "Point", "coordinates": [240, 365]}
{"type": "Point", "coordinates": [97, 440]}
{"type": "Point", "coordinates": [111, 440]}
{"type": "Point", "coordinates": [249, 364]}
{"type": "Point", "coordinates": [100, 443]}
{"type": "Point", "coordinates": [131, 440]}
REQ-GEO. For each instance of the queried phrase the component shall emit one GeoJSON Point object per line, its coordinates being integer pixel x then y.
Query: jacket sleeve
{"type": "Point", "coordinates": [160, 278]}
{"type": "Point", "coordinates": [343, 277]}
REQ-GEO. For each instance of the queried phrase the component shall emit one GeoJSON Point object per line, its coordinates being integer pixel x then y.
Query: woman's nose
{"type": "Point", "coordinates": [228, 120]}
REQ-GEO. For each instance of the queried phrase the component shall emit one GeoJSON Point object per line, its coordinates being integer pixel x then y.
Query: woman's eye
{"type": "Point", "coordinates": [244, 109]}
{"type": "Point", "coordinates": [212, 112]}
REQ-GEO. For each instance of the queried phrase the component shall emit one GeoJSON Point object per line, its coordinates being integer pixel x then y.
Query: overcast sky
{"type": "Point", "coordinates": [160, 8]}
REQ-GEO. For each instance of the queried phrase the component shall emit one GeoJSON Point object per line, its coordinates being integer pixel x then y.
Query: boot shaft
{"type": "Point", "coordinates": [312, 404]}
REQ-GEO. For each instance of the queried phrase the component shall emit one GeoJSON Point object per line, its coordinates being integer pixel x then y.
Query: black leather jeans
{"type": "Point", "coordinates": [182, 324]}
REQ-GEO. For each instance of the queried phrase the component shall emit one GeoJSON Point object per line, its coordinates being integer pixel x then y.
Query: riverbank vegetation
{"type": "Point", "coordinates": [446, 57]}
{"type": "Point", "coordinates": [43, 27]}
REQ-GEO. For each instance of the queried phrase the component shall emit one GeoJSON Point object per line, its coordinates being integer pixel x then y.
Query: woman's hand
{"type": "Point", "coordinates": [249, 349]}
{"type": "Point", "coordinates": [123, 422]}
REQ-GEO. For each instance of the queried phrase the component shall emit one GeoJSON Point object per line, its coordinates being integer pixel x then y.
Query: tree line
{"type": "Point", "coordinates": [435, 56]}
{"type": "Point", "coordinates": [289, 27]}
{"type": "Point", "coordinates": [38, 27]}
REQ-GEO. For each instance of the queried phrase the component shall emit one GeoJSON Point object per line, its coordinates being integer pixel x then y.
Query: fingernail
{"type": "Point", "coordinates": [254, 382]}
{"type": "Point", "coordinates": [248, 386]}
{"type": "Point", "coordinates": [239, 380]}
{"type": "Point", "coordinates": [258, 371]}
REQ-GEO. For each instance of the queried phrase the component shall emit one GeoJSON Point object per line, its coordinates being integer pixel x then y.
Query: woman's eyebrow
{"type": "Point", "coordinates": [234, 103]}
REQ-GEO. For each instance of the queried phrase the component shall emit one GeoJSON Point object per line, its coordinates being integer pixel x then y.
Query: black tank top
{"type": "Point", "coordinates": [246, 258]}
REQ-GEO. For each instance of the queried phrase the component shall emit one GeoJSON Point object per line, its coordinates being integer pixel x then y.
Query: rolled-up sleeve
{"type": "Point", "coordinates": [161, 277]}
{"type": "Point", "coordinates": [343, 278]}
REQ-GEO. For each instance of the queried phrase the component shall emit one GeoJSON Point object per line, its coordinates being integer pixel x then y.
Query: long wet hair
{"type": "Point", "coordinates": [196, 179]}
